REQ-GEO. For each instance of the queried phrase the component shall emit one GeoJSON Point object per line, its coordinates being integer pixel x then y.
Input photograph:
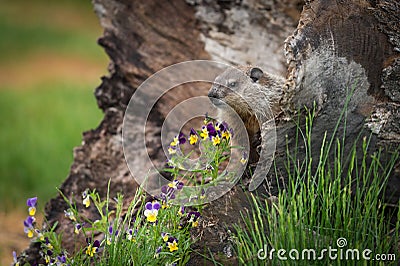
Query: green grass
{"type": "Point", "coordinates": [341, 199]}
{"type": "Point", "coordinates": [40, 30]}
{"type": "Point", "coordinates": [43, 120]}
{"type": "Point", "coordinates": [40, 127]}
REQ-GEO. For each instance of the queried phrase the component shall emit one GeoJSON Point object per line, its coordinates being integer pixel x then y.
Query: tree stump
{"type": "Point", "coordinates": [336, 45]}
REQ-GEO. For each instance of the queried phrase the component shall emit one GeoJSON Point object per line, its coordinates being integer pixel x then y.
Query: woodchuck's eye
{"type": "Point", "coordinates": [231, 83]}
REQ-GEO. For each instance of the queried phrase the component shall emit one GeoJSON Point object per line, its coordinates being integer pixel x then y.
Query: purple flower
{"type": "Point", "coordinates": [62, 258]}
{"type": "Point", "coordinates": [28, 226]}
{"type": "Point", "coordinates": [151, 211]}
{"type": "Point", "coordinates": [131, 235]}
{"type": "Point", "coordinates": [244, 158]}
{"type": "Point", "coordinates": [92, 248]}
{"type": "Point", "coordinates": [78, 228]}
{"type": "Point", "coordinates": [172, 244]}
{"type": "Point", "coordinates": [158, 251]}
{"type": "Point", "coordinates": [31, 203]}
{"type": "Point", "coordinates": [211, 130]}
{"type": "Point", "coordinates": [15, 259]}
{"type": "Point", "coordinates": [181, 210]}
{"type": "Point", "coordinates": [181, 138]}
{"type": "Point", "coordinates": [193, 137]}
{"type": "Point", "coordinates": [176, 184]}
{"type": "Point", "coordinates": [193, 218]}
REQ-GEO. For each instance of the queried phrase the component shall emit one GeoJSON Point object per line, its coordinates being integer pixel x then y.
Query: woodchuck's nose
{"type": "Point", "coordinates": [213, 94]}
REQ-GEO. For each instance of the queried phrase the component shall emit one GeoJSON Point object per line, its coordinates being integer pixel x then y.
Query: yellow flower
{"type": "Point", "coordinates": [226, 135]}
{"type": "Point", "coordinates": [86, 201]}
{"type": "Point", "coordinates": [151, 215]}
{"type": "Point", "coordinates": [204, 133]}
{"type": "Point", "coordinates": [193, 139]}
{"type": "Point", "coordinates": [30, 233]}
{"type": "Point", "coordinates": [216, 140]}
{"type": "Point", "coordinates": [173, 246]}
{"type": "Point", "coordinates": [32, 211]}
{"type": "Point", "coordinates": [91, 250]}
{"type": "Point", "coordinates": [174, 142]}
{"type": "Point", "coordinates": [195, 224]}
{"type": "Point", "coordinates": [171, 150]}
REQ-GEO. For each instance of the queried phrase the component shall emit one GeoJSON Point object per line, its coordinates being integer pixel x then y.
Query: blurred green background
{"type": "Point", "coordinates": [50, 64]}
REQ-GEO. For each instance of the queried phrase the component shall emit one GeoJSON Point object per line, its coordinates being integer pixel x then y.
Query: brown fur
{"type": "Point", "coordinates": [263, 94]}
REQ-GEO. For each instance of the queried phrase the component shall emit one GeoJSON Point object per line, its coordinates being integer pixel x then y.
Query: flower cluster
{"type": "Point", "coordinates": [216, 133]}
{"type": "Point", "coordinates": [210, 131]}
{"type": "Point", "coordinates": [138, 236]}
{"type": "Point", "coordinates": [47, 249]}
{"type": "Point", "coordinates": [170, 242]}
{"type": "Point", "coordinates": [168, 192]}
{"type": "Point", "coordinates": [29, 222]}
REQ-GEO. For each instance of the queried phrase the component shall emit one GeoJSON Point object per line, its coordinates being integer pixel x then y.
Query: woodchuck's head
{"type": "Point", "coordinates": [235, 87]}
{"type": "Point", "coordinates": [249, 91]}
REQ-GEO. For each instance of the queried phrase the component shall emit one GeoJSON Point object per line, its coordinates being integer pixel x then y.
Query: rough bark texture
{"type": "Point", "coordinates": [337, 44]}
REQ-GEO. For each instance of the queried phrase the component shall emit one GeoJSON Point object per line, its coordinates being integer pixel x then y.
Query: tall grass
{"type": "Point", "coordinates": [337, 206]}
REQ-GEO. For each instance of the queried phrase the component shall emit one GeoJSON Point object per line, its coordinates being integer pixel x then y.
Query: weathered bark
{"type": "Point", "coordinates": [336, 44]}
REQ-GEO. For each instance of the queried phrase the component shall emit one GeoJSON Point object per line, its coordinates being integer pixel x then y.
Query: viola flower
{"type": "Point", "coordinates": [31, 203]}
{"type": "Point", "coordinates": [194, 218]}
{"type": "Point", "coordinates": [211, 130]}
{"type": "Point", "coordinates": [180, 139]}
{"type": "Point", "coordinates": [39, 235]}
{"type": "Point", "coordinates": [47, 244]}
{"type": "Point", "coordinates": [206, 119]}
{"type": "Point", "coordinates": [204, 133]}
{"type": "Point", "coordinates": [70, 215]}
{"type": "Point", "coordinates": [203, 194]}
{"type": "Point", "coordinates": [86, 198]}
{"type": "Point", "coordinates": [15, 259]}
{"type": "Point", "coordinates": [92, 248]}
{"type": "Point", "coordinates": [78, 228]}
{"type": "Point", "coordinates": [130, 235]}
{"type": "Point", "coordinates": [165, 236]}
{"type": "Point", "coordinates": [180, 226]}
{"type": "Point", "coordinates": [193, 137]}
{"type": "Point", "coordinates": [244, 158]}
{"type": "Point", "coordinates": [171, 150]}
{"type": "Point", "coordinates": [181, 211]}
{"type": "Point", "coordinates": [172, 244]}
{"type": "Point", "coordinates": [158, 251]}
{"type": "Point", "coordinates": [49, 260]}
{"type": "Point", "coordinates": [216, 140]}
{"type": "Point", "coordinates": [61, 260]}
{"type": "Point", "coordinates": [110, 233]}
{"type": "Point", "coordinates": [176, 184]}
{"type": "Point", "coordinates": [151, 211]}
{"type": "Point", "coordinates": [226, 135]}
{"type": "Point", "coordinates": [164, 204]}
{"type": "Point", "coordinates": [28, 226]}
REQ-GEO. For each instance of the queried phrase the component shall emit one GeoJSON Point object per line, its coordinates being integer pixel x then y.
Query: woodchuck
{"type": "Point", "coordinates": [253, 94]}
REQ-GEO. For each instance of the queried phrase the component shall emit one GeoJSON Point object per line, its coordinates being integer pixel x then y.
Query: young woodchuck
{"type": "Point", "coordinates": [253, 94]}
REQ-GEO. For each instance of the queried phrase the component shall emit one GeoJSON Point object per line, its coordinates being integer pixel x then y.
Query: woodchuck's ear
{"type": "Point", "coordinates": [256, 73]}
